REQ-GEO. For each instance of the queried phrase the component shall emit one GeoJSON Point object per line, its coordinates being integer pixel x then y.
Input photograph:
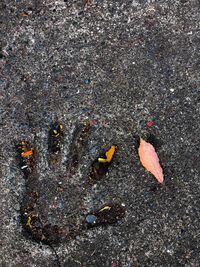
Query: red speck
{"type": "Point", "coordinates": [60, 189]}
{"type": "Point", "coordinates": [53, 206]}
{"type": "Point", "coordinates": [93, 122]}
{"type": "Point", "coordinates": [113, 263]}
{"type": "Point", "coordinates": [150, 123]}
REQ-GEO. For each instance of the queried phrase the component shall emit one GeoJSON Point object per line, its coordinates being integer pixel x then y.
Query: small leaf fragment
{"type": "Point", "coordinates": [109, 154]}
{"type": "Point", "coordinates": [101, 164]}
{"type": "Point", "coordinates": [150, 160]}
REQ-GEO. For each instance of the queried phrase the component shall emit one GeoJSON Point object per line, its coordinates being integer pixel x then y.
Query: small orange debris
{"type": "Point", "coordinates": [27, 153]}
{"type": "Point", "coordinates": [109, 155]}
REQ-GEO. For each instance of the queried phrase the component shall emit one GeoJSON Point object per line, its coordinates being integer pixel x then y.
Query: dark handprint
{"type": "Point", "coordinates": [33, 206]}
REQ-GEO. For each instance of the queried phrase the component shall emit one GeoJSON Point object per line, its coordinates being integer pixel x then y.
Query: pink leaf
{"type": "Point", "coordinates": [150, 160]}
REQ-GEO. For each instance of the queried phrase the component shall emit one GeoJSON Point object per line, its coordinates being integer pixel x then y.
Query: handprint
{"type": "Point", "coordinates": [34, 212]}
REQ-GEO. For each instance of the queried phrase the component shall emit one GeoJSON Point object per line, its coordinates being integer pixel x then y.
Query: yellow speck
{"type": "Point", "coordinates": [105, 208]}
{"type": "Point", "coordinates": [28, 223]}
{"type": "Point", "coordinates": [102, 160]}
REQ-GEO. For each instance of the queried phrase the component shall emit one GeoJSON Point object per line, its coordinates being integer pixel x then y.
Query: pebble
{"type": "Point", "coordinates": [91, 218]}
{"type": "Point", "coordinates": [16, 207]}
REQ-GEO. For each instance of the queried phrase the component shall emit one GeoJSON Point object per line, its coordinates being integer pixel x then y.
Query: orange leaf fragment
{"type": "Point", "coordinates": [109, 154]}
{"type": "Point", "coordinates": [150, 160]}
{"type": "Point", "coordinates": [27, 153]}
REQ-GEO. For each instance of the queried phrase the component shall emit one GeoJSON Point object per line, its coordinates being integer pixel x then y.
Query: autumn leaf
{"type": "Point", "coordinates": [150, 160]}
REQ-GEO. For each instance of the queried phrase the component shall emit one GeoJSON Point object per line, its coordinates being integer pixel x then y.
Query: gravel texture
{"type": "Point", "coordinates": [132, 68]}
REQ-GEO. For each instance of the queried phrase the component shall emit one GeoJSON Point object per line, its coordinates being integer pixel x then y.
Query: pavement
{"type": "Point", "coordinates": [130, 68]}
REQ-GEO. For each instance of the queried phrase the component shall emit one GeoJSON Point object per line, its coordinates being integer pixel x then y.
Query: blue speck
{"type": "Point", "coordinates": [95, 92]}
{"type": "Point", "coordinates": [61, 205]}
{"type": "Point", "coordinates": [87, 81]}
{"type": "Point", "coordinates": [91, 219]}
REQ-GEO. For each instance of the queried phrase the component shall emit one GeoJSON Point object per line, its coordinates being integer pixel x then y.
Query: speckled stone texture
{"type": "Point", "coordinates": [119, 64]}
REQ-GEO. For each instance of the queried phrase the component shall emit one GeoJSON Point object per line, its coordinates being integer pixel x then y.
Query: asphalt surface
{"type": "Point", "coordinates": [132, 69]}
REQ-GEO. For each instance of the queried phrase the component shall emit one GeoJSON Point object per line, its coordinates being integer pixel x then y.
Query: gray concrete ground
{"type": "Point", "coordinates": [142, 61]}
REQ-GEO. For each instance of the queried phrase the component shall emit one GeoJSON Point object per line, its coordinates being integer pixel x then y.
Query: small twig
{"type": "Point", "coordinates": [93, 252]}
{"type": "Point", "coordinates": [56, 255]}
